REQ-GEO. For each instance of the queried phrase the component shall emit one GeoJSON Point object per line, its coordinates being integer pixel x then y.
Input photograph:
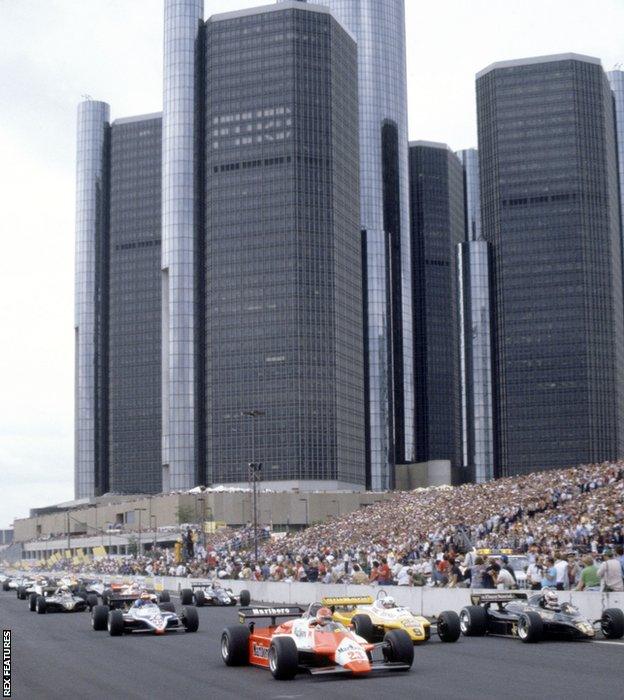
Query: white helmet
{"type": "Point", "coordinates": [388, 602]}
{"type": "Point", "coordinates": [551, 600]}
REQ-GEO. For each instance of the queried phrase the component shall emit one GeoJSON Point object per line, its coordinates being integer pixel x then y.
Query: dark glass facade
{"type": "Point", "coordinates": [437, 226]}
{"type": "Point", "coordinates": [549, 193]}
{"type": "Point", "coordinates": [134, 306]}
{"type": "Point", "coordinates": [283, 281]}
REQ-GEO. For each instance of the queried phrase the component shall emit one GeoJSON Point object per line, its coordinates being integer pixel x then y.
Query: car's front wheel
{"type": "Point", "coordinates": [473, 621]}
{"type": "Point", "coordinates": [200, 598]}
{"type": "Point", "coordinates": [190, 619]}
{"type": "Point", "coordinates": [363, 627]}
{"type": "Point", "coordinates": [530, 627]}
{"type": "Point", "coordinates": [40, 605]}
{"type": "Point", "coordinates": [32, 602]}
{"type": "Point", "coordinates": [449, 629]}
{"type": "Point", "coordinates": [612, 623]}
{"type": "Point", "coordinates": [283, 658]}
{"type": "Point", "coordinates": [115, 623]}
{"type": "Point", "coordinates": [399, 647]}
{"type": "Point", "coordinates": [186, 596]}
{"type": "Point", "coordinates": [235, 646]}
{"type": "Point", "coordinates": [164, 597]}
{"type": "Point", "coordinates": [99, 617]}
{"type": "Point", "coordinates": [245, 598]}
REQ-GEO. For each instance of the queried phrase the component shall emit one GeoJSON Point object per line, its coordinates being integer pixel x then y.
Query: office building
{"type": "Point", "coordinates": [218, 263]}
{"type": "Point", "coordinates": [379, 27]}
{"type": "Point", "coordinates": [550, 209]}
{"type": "Point", "coordinates": [616, 80]}
{"type": "Point", "coordinates": [438, 225]}
{"type": "Point", "coordinates": [475, 353]}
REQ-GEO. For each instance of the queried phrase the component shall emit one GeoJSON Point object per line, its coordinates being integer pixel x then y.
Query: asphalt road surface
{"type": "Point", "coordinates": [60, 656]}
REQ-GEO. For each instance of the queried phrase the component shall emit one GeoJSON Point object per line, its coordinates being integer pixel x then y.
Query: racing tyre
{"type": "Point", "coordinates": [99, 617]}
{"type": "Point", "coordinates": [530, 627]}
{"type": "Point", "coordinates": [167, 607]}
{"type": "Point", "coordinates": [363, 627]}
{"type": "Point", "coordinates": [5, 586]}
{"type": "Point", "coordinates": [283, 658]}
{"type": "Point", "coordinates": [81, 593]}
{"type": "Point", "coordinates": [449, 629]}
{"type": "Point", "coordinates": [200, 598]}
{"type": "Point", "coordinates": [399, 647]}
{"type": "Point", "coordinates": [190, 619]}
{"type": "Point", "coordinates": [245, 598]}
{"type": "Point", "coordinates": [473, 621]}
{"type": "Point", "coordinates": [21, 593]}
{"type": "Point", "coordinates": [612, 623]}
{"type": "Point", "coordinates": [115, 623]}
{"type": "Point", "coordinates": [235, 646]}
{"type": "Point", "coordinates": [32, 602]}
{"type": "Point", "coordinates": [92, 600]}
{"type": "Point", "coordinates": [186, 596]}
{"type": "Point", "coordinates": [40, 605]}
{"type": "Point", "coordinates": [164, 597]}
{"type": "Point", "coordinates": [105, 595]}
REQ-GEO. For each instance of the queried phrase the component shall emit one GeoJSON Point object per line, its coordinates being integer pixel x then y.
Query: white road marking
{"type": "Point", "coordinates": [603, 641]}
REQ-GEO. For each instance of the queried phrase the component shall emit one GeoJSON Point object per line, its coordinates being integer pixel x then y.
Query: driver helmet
{"type": "Point", "coordinates": [65, 590]}
{"type": "Point", "coordinates": [388, 602]}
{"type": "Point", "coordinates": [145, 596]}
{"type": "Point", "coordinates": [323, 616]}
{"type": "Point", "coordinates": [551, 600]}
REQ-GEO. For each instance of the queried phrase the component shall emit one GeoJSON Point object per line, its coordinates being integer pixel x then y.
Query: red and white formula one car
{"type": "Point", "coordinates": [311, 642]}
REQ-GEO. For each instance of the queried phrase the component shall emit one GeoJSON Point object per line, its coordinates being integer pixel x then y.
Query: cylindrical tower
{"type": "Point", "coordinates": [379, 27]}
{"type": "Point", "coordinates": [183, 20]}
{"type": "Point", "coordinates": [91, 231]}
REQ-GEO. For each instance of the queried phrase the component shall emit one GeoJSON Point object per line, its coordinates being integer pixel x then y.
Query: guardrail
{"type": "Point", "coordinates": [422, 600]}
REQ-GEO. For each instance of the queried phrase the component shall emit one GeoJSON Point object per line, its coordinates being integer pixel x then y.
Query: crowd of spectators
{"type": "Point", "coordinates": [567, 523]}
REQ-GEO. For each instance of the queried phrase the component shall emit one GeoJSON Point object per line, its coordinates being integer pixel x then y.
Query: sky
{"type": "Point", "coordinates": [52, 52]}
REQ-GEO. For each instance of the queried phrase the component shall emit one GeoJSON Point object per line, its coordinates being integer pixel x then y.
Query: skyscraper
{"type": "Point", "coordinates": [616, 79]}
{"type": "Point", "coordinates": [218, 263]}
{"type": "Point", "coordinates": [437, 217]}
{"type": "Point", "coordinates": [283, 284]}
{"type": "Point", "coordinates": [549, 193]}
{"type": "Point", "coordinates": [475, 353]}
{"type": "Point", "coordinates": [379, 27]}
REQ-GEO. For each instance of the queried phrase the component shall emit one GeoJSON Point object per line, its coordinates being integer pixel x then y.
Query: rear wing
{"type": "Point", "coordinates": [498, 597]}
{"type": "Point", "coordinates": [343, 602]}
{"type": "Point", "coordinates": [272, 613]}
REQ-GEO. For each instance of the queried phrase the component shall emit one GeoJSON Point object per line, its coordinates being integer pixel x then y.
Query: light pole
{"type": "Point", "coordinates": [153, 517]}
{"type": "Point", "coordinates": [255, 473]}
{"type": "Point", "coordinates": [305, 500]}
{"type": "Point", "coordinates": [203, 517]}
{"type": "Point", "coordinates": [139, 547]}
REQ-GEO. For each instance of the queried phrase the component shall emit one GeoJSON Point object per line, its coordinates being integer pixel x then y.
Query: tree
{"type": "Point", "coordinates": [185, 514]}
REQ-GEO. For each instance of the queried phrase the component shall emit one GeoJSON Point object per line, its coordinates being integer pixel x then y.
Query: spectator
{"type": "Point", "coordinates": [610, 571]}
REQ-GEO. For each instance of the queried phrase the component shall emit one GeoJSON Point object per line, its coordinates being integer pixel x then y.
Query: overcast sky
{"type": "Point", "coordinates": [54, 51]}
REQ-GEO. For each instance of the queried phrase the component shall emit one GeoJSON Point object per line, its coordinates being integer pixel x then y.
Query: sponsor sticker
{"type": "Point", "coordinates": [6, 663]}
{"type": "Point", "coordinates": [260, 652]}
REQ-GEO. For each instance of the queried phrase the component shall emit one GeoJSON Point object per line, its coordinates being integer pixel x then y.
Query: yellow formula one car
{"type": "Point", "coordinates": [372, 618]}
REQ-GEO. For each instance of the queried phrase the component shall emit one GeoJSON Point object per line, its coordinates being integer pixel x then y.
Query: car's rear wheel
{"type": "Point", "coordinates": [164, 597]}
{"type": "Point", "coordinates": [530, 627]}
{"type": "Point", "coordinates": [115, 623]}
{"type": "Point", "coordinates": [449, 629]}
{"type": "Point", "coordinates": [200, 598]}
{"type": "Point", "coordinates": [399, 647]}
{"type": "Point", "coordinates": [190, 619]}
{"type": "Point", "coordinates": [612, 623]}
{"type": "Point", "coordinates": [186, 596]}
{"type": "Point", "coordinates": [245, 597]}
{"type": "Point", "coordinates": [32, 602]}
{"type": "Point", "coordinates": [473, 621]}
{"type": "Point", "coordinates": [283, 658]}
{"type": "Point", "coordinates": [363, 627]}
{"type": "Point", "coordinates": [235, 646]}
{"type": "Point", "coordinates": [5, 586]}
{"type": "Point", "coordinates": [99, 617]}
{"type": "Point", "coordinates": [167, 607]}
{"type": "Point", "coordinates": [21, 593]}
{"type": "Point", "coordinates": [40, 605]}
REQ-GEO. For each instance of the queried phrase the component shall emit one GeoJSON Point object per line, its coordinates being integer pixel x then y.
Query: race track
{"type": "Point", "coordinates": [60, 656]}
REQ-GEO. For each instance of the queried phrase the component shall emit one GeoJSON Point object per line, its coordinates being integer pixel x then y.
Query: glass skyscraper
{"type": "Point", "coordinates": [475, 354]}
{"type": "Point", "coordinates": [218, 263]}
{"type": "Point", "coordinates": [379, 27]}
{"type": "Point", "coordinates": [616, 79]}
{"type": "Point", "coordinates": [437, 226]}
{"type": "Point", "coordinates": [550, 209]}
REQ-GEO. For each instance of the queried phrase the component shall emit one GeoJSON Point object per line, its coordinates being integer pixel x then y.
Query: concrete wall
{"type": "Point", "coordinates": [281, 509]}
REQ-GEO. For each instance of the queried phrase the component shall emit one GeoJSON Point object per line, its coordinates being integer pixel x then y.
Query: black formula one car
{"type": "Point", "coordinates": [532, 617]}
{"type": "Point", "coordinates": [158, 618]}
{"type": "Point", "coordinates": [213, 594]}
{"type": "Point", "coordinates": [48, 599]}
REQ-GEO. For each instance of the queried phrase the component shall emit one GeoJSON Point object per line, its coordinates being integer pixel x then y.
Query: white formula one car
{"type": "Point", "coordinates": [144, 615]}
{"type": "Point", "coordinates": [213, 594]}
